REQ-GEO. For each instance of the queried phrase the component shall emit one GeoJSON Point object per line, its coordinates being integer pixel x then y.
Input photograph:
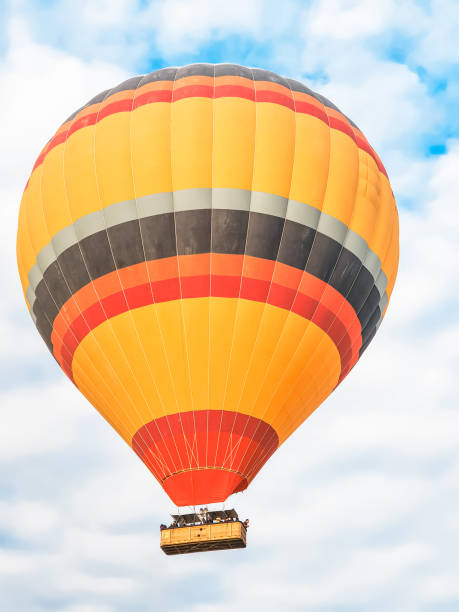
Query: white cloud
{"type": "Point", "coordinates": [437, 47]}
{"type": "Point", "coordinates": [344, 20]}
{"type": "Point", "coordinates": [183, 26]}
{"type": "Point", "coordinates": [429, 269]}
{"type": "Point", "coordinates": [26, 520]}
{"type": "Point", "coordinates": [38, 419]}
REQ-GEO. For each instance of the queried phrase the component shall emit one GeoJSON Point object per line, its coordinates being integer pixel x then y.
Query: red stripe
{"type": "Point", "coordinates": [234, 91]}
{"type": "Point", "coordinates": [337, 319]}
{"type": "Point", "coordinates": [342, 126]}
{"type": "Point", "coordinates": [205, 455]}
{"type": "Point", "coordinates": [207, 91]}
{"type": "Point", "coordinates": [57, 140]}
{"type": "Point", "coordinates": [305, 108]}
{"type": "Point", "coordinates": [115, 107]}
{"type": "Point", "coordinates": [274, 97]}
{"type": "Point", "coordinates": [193, 91]}
{"type": "Point", "coordinates": [84, 121]}
{"type": "Point", "coordinates": [162, 95]}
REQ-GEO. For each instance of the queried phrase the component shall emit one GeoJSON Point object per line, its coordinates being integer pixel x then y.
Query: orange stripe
{"type": "Point", "coordinates": [227, 266]}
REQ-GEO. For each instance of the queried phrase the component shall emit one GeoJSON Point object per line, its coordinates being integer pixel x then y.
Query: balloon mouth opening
{"type": "Point", "coordinates": [203, 486]}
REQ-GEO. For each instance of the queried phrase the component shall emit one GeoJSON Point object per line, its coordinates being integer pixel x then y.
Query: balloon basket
{"type": "Point", "coordinates": [220, 530]}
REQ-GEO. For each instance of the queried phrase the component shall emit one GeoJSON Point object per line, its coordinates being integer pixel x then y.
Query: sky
{"type": "Point", "coordinates": [358, 510]}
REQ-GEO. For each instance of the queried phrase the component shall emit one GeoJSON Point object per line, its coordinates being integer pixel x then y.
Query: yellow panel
{"type": "Point", "coordinates": [310, 167]}
{"type": "Point", "coordinates": [222, 320]}
{"type": "Point", "coordinates": [101, 395]}
{"type": "Point", "coordinates": [191, 139]}
{"type": "Point", "coordinates": [343, 177]}
{"type": "Point", "coordinates": [294, 400]}
{"type": "Point", "coordinates": [269, 333]}
{"type": "Point", "coordinates": [24, 245]}
{"type": "Point", "coordinates": [151, 151]}
{"type": "Point", "coordinates": [274, 149]}
{"type": "Point", "coordinates": [270, 351]}
{"type": "Point", "coordinates": [385, 221]}
{"type": "Point", "coordinates": [247, 322]}
{"type": "Point", "coordinates": [197, 327]}
{"type": "Point", "coordinates": [299, 356]}
{"type": "Point", "coordinates": [37, 231]}
{"type": "Point", "coordinates": [367, 199]}
{"type": "Point", "coordinates": [234, 143]}
{"type": "Point", "coordinates": [161, 384]}
{"type": "Point", "coordinates": [113, 159]}
{"type": "Point", "coordinates": [55, 205]}
{"type": "Point", "coordinates": [290, 352]}
{"type": "Point", "coordinates": [111, 353]}
{"type": "Point", "coordinates": [80, 176]}
{"type": "Point", "coordinates": [170, 319]}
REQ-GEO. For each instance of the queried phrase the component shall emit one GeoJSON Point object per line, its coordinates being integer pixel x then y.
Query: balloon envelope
{"type": "Point", "coordinates": [207, 251]}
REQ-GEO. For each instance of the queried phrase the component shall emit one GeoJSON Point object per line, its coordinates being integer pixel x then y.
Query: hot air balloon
{"type": "Point", "coordinates": [207, 251]}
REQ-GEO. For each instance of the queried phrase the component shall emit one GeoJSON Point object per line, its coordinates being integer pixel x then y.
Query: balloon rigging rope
{"type": "Point", "coordinates": [209, 407]}
{"type": "Point", "coordinates": [236, 316]}
{"type": "Point", "coordinates": [260, 325]}
{"type": "Point", "coordinates": [308, 327]}
{"type": "Point", "coordinates": [154, 309]}
{"type": "Point", "coordinates": [189, 449]}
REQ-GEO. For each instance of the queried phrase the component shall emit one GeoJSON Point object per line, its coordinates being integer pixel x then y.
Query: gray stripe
{"type": "Point", "coordinates": [372, 262]}
{"type": "Point", "coordinates": [120, 213]}
{"type": "Point", "coordinates": [268, 204]}
{"type": "Point", "coordinates": [381, 282]}
{"type": "Point", "coordinates": [46, 257]}
{"type": "Point", "coordinates": [89, 224]}
{"type": "Point", "coordinates": [35, 275]}
{"type": "Point", "coordinates": [354, 243]}
{"type": "Point", "coordinates": [383, 303]}
{"type": "Point", "coordinates": [154, 204]}
{"type": "Point", "coordinates": [206, 198]}
{"type": "Point", "coordinates": [64, 239]}
{"type": "Point", "coordinates": [30, 295]}
{"type": "Point", "coordinates": [333, 228]}
{"type": "Point", "coordinates": [303, 214]}
{"type": "Point", "coordinates": [231, 199]}
{"type": "Point", "coordinates": [192, 199]}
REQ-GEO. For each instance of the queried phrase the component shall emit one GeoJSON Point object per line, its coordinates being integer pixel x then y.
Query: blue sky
{"type": "Point", "coordinates": [371, 481]}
